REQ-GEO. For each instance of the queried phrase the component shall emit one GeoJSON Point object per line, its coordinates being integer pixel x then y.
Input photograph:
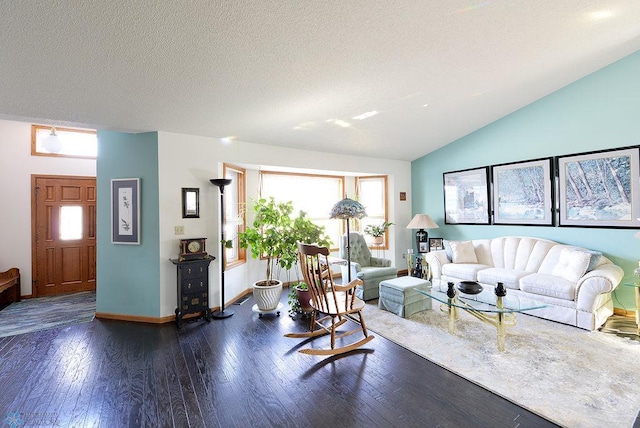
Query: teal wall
{"type": "Point", "coordinates": [128, 276]}
{"type": "Point", "coordinates": [597, 112]}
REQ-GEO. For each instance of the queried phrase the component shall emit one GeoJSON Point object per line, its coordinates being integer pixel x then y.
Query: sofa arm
{"type": "Point", "coordinates": [436, 259]}
{"type": "Point", "coordinates": [603, 279]}
{"type": "Point", "coordinates": [379, 262]}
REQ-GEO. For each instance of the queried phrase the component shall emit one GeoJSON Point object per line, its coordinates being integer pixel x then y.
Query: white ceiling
{"type": "Point", "coordinates": [295, 73]}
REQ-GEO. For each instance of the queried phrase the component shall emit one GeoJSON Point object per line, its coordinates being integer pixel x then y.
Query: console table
{"type": "Point", "coordinates": [193, 288]}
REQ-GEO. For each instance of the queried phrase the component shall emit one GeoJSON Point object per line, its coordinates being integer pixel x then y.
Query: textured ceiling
{"type": "Point", "coordinates": [296, 73]}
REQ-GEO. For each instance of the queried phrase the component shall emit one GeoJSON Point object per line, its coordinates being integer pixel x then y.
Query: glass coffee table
{"type": "Point", "coordinates": [501, 313]}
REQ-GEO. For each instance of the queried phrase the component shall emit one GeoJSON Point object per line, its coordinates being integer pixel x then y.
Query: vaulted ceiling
{"type": "Point", "coordinates": [302, 74]}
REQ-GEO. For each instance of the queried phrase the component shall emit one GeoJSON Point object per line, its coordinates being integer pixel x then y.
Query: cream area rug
{"type": "Point", "coordinates": [571, 376]}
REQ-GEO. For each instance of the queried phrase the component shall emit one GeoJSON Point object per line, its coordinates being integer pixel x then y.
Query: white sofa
{"type": "Point", "coordinates": [575, 283]}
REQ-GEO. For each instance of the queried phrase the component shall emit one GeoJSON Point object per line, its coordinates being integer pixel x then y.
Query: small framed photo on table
{"type": "Point", "coordinates": [422, 248]}
{"type": "Point", "coordinates": [436, 244]}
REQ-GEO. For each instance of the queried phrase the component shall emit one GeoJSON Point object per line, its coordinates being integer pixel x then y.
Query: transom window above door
{"type": "Point", "coordinates": [63, 142]}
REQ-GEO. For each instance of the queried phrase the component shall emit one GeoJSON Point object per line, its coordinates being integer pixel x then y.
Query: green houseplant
{"type": "Point", "coordinates": [274, 236]}
{"type": "Point", "coordinates": [377, 231]}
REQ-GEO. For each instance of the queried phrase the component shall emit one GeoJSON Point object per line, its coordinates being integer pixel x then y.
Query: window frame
{"type": "Point", "coordinates": [239, 187]}
{"type": "Point", "coordinates": [341, 185]}
{"type": "Point", "coordinates": [385, 196]}
{"type": "Point", "coordinates": [34, 130]}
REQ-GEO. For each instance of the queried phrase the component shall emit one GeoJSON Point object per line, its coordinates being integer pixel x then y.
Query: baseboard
{"type": "Point", "coordinates": [159, 320]}
{"type": "Point", "coordinates": [133, 318]}
{"type": "Point", "coordinates": [624, 312]}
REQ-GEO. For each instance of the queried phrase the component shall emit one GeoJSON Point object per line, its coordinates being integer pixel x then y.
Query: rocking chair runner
{"type": "Point", "coordinates": [335, 301]}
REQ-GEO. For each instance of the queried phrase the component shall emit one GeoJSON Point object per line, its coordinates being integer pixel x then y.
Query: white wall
{"type": "Point", "coordinates": [16, 167]}
{"type": "Point", "coordinates": [190, 161]}
{"type": "Point", "coordinates": [184, 161]}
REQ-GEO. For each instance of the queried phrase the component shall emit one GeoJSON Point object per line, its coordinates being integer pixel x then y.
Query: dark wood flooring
{"type": "Point", "coordinates": [235, 372]}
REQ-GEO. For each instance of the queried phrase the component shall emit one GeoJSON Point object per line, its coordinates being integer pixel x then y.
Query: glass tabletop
{"type": "Point", "coordinates": [512, 304]}
{"type": "Point", "coordinates": [632, 284]}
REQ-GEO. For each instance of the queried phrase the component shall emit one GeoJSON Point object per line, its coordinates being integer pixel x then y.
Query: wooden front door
{"type": "Point", "coordinates": [64, 234]}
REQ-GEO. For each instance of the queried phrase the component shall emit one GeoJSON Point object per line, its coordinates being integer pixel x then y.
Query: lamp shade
{"type": "Point", "coordinates": [422, 221]}
{"type": "Point", "coordinates": [348, 208]}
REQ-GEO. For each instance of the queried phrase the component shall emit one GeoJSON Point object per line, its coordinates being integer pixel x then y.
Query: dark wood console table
{"type": "Point", "coordinates": [193, 288]}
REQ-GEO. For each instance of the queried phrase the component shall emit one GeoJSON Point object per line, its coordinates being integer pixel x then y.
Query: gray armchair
{"type": "Point", "coordinates": [371, 270]}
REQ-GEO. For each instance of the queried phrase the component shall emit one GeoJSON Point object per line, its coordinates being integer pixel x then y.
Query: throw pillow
{"type": "Point", "coordinates": [572, 264]}
{"type": "Point", "coordinates": [462, 252]}
{"type": "Point", "coordinates": [447, 249]}
{"type": "Point", "coordinates": [594, 257]}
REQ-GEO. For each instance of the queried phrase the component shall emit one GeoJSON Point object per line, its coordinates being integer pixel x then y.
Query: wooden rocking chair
{"type": "Point", "coordinates": [334, 301]}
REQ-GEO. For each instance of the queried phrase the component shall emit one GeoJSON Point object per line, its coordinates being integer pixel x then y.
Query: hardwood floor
{"type": "Point", "coordinates": [238, 371]}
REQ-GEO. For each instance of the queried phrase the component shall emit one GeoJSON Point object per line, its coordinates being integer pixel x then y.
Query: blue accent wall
{"type": "Point", "coordinates": [128, 276]}
{"type": "Point", "coordinates": [597, 112]}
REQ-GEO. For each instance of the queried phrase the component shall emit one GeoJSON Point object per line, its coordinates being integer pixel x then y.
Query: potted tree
{"type": "Point", "coordinates": [273, 236]}
{"type": "Point", "coordinates": [377, 231]}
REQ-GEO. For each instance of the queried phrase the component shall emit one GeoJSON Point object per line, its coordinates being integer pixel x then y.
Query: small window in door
{"type": "Point", "coordinates": [70, 224]}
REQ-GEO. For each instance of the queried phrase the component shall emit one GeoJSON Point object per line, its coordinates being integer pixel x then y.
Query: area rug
{"type": "Point", "coordinates": [44, 313]}
{"type": "Point", "coordinates": [570, 376]}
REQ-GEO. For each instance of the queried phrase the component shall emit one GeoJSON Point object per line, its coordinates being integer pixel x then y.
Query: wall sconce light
{"type": "Point", "coordinates": [52, 143]}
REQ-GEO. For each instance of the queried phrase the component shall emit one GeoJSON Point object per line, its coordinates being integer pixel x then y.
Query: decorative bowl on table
{"type": "Point", "coordinates": [469, 287]}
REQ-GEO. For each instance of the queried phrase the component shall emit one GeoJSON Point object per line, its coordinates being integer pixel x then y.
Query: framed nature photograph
{"type": "Point", "coordinates": [125, 211]}
{"type": "Point", "coordinates": [599, 189]}
{"type": "Point", "coordinates": [523, 193]}
{"type": "Point", "coordinates": [436, 244]}
{"type": "Point", "coordinates": [466, 196]}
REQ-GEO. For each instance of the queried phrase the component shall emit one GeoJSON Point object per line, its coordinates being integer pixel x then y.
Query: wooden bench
{"type": "Point", "coordinates": [10, 283]}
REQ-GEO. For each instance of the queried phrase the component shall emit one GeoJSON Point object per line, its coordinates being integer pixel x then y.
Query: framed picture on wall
{"type": "Point", "coordinates": [523, 193]}
{"type": "Point", "coordinates": [190, 202]}
{"type": "Point", "coordinates": [436, 244]}
{"type": "Point", "coordinates": [125, 211]}
{"type": "Point", "coordinates": [599, 189]}
{"type": "Point", "coordinates": [466, 196]}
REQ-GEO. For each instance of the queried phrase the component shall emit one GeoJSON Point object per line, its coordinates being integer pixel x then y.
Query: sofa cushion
{"type": "Point", "coordinates": [594, 258]}
{"type": "Point", "coordinates": [369, 272]}
{"type": "Point", "coordinates": [572, 264]}
{"type": "Point", "coordinates": [447, 249]}
{"type": "Point", "coordinates": [594, 261]}
{"type": "Point", "coordinates": [463, 271]}
{"type": "Point", "coordinates": [509, 277]}
{"type": "Point", "coordinates": [462, 252]}
{"type": "Point", "coordinates": [548, 285]}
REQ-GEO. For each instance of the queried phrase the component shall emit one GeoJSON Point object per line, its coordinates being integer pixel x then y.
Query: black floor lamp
{"type": "Point", "coordinates": [347, 209]}
{"type": "Point", "coordinates": [222, 313]}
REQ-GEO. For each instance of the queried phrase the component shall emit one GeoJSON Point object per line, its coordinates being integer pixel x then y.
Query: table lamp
{"type": "Point", "coordinates": [422, 222]}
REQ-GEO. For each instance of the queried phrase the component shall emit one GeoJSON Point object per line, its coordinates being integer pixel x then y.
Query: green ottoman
{"type": "Point", "coordinates": [397, 295]}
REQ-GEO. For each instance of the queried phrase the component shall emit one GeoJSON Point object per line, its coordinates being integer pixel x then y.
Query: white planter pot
{"type": "Point", "coordinates": [267, 296]}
